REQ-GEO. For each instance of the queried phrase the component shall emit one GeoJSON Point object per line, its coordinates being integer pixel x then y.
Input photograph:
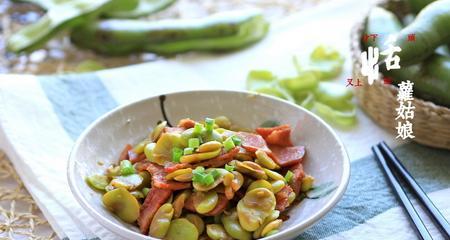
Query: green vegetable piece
{"type": "Point", "coordinates": [122, 204]}
{"type": "Point", "coordinates": [161, 221]}
{"type": "Point", "coordinates": [221, 31]}
{"type": "Point", "coordinates": [382, 22]}
{"type": "Point", "coordinates": [233, 228]}
{"type": "Point", "coordinates": [321, 190]}
{"type": "Point", "coordinates": [229, 168]}
{"type": "Point", "coordinates": [98, 182]}
{"type": "Point", "coordinates": [236, 140]}
{"type": "Point", "coordinates": [176, 154]}
{"type": "Point", "coordinates": [137, 194]}
{"type": "Point", "coordinates": [265, 82]}
{"type": "Point", "coordinates": [216, 232]}
{"type": "Point", "coordinates": [143, 8]}
{"type": "Point", "coordinates": [288, 177]}
{"type": "Point", "coordinates": [304, 81]}
{"type": "Point", "coordinates": [126, 168]}
{"type": "Point", "coordinates": [325, 62]}
{"type": "Point", "coordinates": [334, 95]}
{"type": "Point", "coordinates": [194, 142]}
{"type": "Point", "coordinates": [188, 151]}
{"type": "Point", "coordinates": [58, 18]}
{"type": "Point", "coordinates": [340, 118]}
{"type": "Point", "coordinates": [198, 129]}
{"type": "Point", "coordinates": [228, 144]}
{"type": "Point", "coordinates": [431, 30]}
{"type": "Point", "coordinates": [181, 228]}
{"type": "Point", "coordinates": [209, 124]}
{"type": "Point", "coordinates": [162, 152]}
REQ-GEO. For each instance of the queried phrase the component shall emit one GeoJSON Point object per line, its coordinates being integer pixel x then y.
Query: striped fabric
{"type": "Point", "coordinates": [40, 118]}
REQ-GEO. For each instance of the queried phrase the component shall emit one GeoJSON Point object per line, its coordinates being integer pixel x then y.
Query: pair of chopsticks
{"type": "Point", "coordinates": [394, 169]}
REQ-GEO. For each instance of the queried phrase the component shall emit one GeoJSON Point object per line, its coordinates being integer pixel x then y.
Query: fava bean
{"type": "Point", "coordinates": [122, 204]}
{"type": "Point", "coordinates": [197, 221]}
{"type": "Point", "coordinates": [233, 228]}
{"type": "Point", "coordinates": [277, 185]}
{"type": "Point", "coordinates": [216, 232]}
{"type": "Point", "coordinates": [178, 202]}
{"type": "Point", "coordinates": [98, 182]}
{"type": "Point", "coordinates": [254, 207]}
{"type": "Point", "coordinates": [181, 228]}
{"type": "Point", "coordinates": [161, 221]}
{"type": "Point", "coordinates": [205, 201]}
{"type": "Point", "coordinates": [265, 161]}
{"type": "Point", "coordinates": [251, 168]}
{"type": "Point", "coordinates": [129, 182]}
{"type": "Point", "coordinates": [260, 184]}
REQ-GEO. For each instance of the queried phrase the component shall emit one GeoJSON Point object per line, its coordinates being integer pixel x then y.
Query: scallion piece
{"type": "Point", "coordinates": [188, 151]}
{"type": "Point", "coordinates": [126, 168]}
{"type": "Point", "coordinates": [228, 144]}
{"type": "Point", "coordinates": [208, 179]}
{"type": "Point", "coordinates": [229, 168]}
{"type": "Point", "coordinates": [194, 142]}
{"type": "Point", "coordinates": [177, 153]}
{"type": "Point", "coordinates": [198, 128]}
{"type": "Point", "coordinates": [209, 124]}
{"type": "Point", "coordinates": [236, 140]}
{"type": "Point", "coordinates": [288, 176]}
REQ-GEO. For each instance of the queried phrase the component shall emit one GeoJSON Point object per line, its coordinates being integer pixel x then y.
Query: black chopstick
{"type": "Point", "coordinates": [436, 215]}
{"type": "Point", "coordinates": [415, 218]}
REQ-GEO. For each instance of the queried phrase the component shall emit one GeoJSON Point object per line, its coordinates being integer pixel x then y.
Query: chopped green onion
{"type": "Point", "coordinates": [200, 176]}
{"type": "Point", "coordinates": [145, 191]}
{"type": "Point", "coordinates": [208, 179]}
{"type": "Point", "coordinates": [176, 154]}
{"type": "Point", "coordinates": [228, 144]}
{"type": "Point", "coordinates": [198, 128]}
{"type": "Point", "coordinates": [209, 124]}
{"type": "Point", "coordinates": [215, 173]}
{"type": "Point", "coordinates": [288, 176]}
{"type": "Point", "coordinates": [194, 142]}
{"type": "Point", "coordinates": [236, 140]}
{"type": "Point", "coordinates": [188, 151]}
{"type": "Point", "coordinates": [229, 168]}
{"type": "Point", "coordinates": [126, 168]}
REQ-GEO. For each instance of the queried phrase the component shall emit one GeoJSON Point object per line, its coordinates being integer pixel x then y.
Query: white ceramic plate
{"type": "Point", "coordinates": [326, 158]}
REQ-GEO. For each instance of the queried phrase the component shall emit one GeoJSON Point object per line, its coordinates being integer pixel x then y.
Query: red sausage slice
{"type": "Point", "coordinates": [299, 174]}
{"type": "Point", "coordinates": [219, 161]}
{"type": "Point", "coordinates": [282, 198]}
{"type": "Point", "coordinates": [287, 156]}
{"type": "Point", "coordinates": [155, 198]}
{"type": "Point", "coordinates": [159, 179]}
{"type": "Point", "coordinates": [252, 142]}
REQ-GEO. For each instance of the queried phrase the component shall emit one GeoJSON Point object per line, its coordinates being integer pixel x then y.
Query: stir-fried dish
{"type": "Point", "coordinates": [206, 180]}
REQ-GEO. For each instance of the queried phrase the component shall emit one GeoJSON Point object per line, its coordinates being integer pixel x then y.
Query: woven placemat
{"type": "Point", "coordinates": [20, 218]}
{"type": "Point", "coordinates": [61, 56]}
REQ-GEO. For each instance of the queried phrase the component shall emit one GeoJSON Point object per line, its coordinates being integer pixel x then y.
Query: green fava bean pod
{"type": "Point", "coordinates": [222, 31]}
{"type": "Point", "coordinates": [161, 221]}
{"type": "Point", "coordinates": [382, 22]}
{"type": "Point", "coordinates": [143, 8]}
{"type": "Point", "coordinates": [59, 17]}
{"type": "Point", "coordinates": [431, 29]}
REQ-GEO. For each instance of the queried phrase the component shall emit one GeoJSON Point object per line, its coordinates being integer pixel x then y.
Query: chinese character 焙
{"type": "Point", "coordinates": [369, 61]}
{"type": "Point", "coordinates": [404, 131]}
